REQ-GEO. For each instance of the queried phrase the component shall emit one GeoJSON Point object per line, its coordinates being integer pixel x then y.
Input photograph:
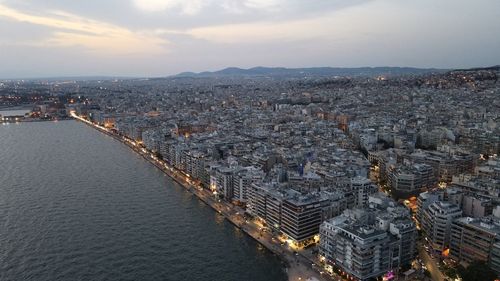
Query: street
{"type": "Point", "coordinates": [430, 264]}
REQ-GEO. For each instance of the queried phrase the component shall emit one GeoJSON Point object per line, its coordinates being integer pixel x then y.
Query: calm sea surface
{"type": "Point", "coordinates": [77, 205]}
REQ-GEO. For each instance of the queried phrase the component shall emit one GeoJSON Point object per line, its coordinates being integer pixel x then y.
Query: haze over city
{"type": "Point", "coordinates": [163, 37]}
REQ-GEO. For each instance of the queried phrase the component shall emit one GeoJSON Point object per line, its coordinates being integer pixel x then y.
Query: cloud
{"type": "Point", "coordinates": [269, 31]}
{"type": "Point", "coordinates": [194, 7]}
{"type": "Point", "coordinates": [188, 7]}
{"type": "Point", "coordinates": [95, 36]}
{"type": "Point", "coordinates": [263, 4]}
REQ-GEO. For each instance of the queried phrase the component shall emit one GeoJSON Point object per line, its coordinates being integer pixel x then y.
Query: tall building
{"type": "Point", "coordinates": [360, 250]}
{"type": "Point", "coordinates": [495, 257]}
{"type": "Point", "coordinates": [436, 224]}
{"type": "Point", "coordinates": [410, 180]}
{"type": "Point", "coordinates": [445, 165]}
{"type": "Point", "coordinates": [195, 163]}
{"type": "Point", "coordinates": [243, 179]}
{"type": "Point", "coordinates": [296, 215]}
{"type": "Point", "coordinates": [424, 200]}
{"type": "Point", "coordinates": [368, 242]}
{"type": "Point", "coordinates": [223, 181]}
{"type": "Point", "coordinates": [360, 189]}
{"type": "Point", "coordinates": [301, 216]}
{"type": "Point", "coordinates": [151, 139]}
{"type": "Point", "coordinates": [474, 239]}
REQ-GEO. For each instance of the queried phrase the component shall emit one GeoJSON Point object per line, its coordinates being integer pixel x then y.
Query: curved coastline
{"type": "Point", "coordinates": [296, 265]}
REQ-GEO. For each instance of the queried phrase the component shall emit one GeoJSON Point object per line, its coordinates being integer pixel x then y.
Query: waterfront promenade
{"type": "Point", "coordinates": [300, 266]}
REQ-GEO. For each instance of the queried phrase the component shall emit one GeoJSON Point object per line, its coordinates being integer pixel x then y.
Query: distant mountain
{"type": "Point", "coordinates": [491, 68]}
{"type": "Point", "coordinates": [312, 71]}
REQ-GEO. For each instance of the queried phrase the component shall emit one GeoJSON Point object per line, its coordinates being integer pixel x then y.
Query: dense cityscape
{"type": "Point", "coordinates": [344, 177]}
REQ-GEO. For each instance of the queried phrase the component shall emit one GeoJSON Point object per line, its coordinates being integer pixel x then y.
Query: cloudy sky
{"type": "Point", "coordinates": [162, 37]}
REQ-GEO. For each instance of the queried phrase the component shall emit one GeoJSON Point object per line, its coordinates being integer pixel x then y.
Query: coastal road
{"type": "Point", "coordinates": [299, 267]}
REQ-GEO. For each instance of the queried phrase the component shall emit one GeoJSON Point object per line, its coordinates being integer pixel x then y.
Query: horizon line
{"type": "Point", "coordinates": [126, 77]}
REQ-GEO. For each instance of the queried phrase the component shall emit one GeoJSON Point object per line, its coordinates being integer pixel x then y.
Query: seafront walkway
{"type": "Point", "coordinates": [300, 266]}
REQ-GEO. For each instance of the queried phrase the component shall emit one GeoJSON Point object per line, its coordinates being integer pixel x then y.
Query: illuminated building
{"type": "Point", "coordinates": [369, 242]}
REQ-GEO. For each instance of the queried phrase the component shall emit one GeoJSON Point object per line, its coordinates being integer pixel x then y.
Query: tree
{"type": "Point", "coordinates": [478, 270]}
{"type": "Point", "coordinates": [451, 272]}
{"type": "Point", "coordinates": [405, 267]}
{"type": "Point", "coordinates": [158, 155]}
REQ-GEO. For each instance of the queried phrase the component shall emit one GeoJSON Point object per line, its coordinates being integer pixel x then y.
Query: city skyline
{"type": "Point", "coordinates": [401, 172]}
{"type": "Point", "coordinates": [160, 38]}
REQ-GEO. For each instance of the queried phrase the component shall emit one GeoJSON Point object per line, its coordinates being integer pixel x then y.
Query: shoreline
{"type": "Point", "coordinates": [297, 267]}
{"type": "Point", "coordinates": [16, 107]}
{"type": "Point", "coordinates": [33, 120]}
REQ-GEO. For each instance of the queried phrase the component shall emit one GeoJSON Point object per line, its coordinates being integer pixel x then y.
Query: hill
{"type": "Point", "coordinates": [312, 71]}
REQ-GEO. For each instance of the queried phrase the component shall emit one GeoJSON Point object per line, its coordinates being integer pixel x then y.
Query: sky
{"type": "Point", "coordinates": [152, 38]}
